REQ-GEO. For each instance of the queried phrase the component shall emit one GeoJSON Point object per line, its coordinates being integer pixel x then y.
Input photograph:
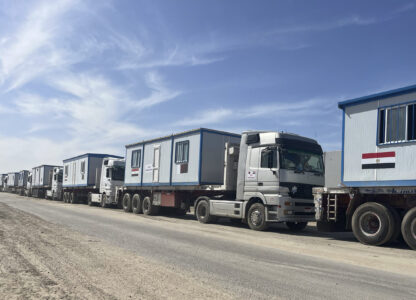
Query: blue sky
{"type": "Point", "coordinates": [92, 76]}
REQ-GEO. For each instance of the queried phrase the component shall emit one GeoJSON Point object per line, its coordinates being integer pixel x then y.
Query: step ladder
{"type": "Point", "coordinates": [332, 207]}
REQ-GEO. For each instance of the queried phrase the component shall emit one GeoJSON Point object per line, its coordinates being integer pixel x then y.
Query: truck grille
{"type": "Point", "coordinates": [301, 191]}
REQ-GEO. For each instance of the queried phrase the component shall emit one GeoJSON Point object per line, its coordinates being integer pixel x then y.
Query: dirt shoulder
{"type": "Point", "coordinates": [40, 260]}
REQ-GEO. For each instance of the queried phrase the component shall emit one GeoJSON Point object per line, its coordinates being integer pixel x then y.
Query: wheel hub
{"type": "Point", "coordinates": [256, 217]}
{"type": "Point", "coordinates": [370, 224]}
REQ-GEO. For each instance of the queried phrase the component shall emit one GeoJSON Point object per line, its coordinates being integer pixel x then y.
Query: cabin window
{"type": "Point", "coordinates": [269, 158]}
{"type": "Point", "coordinates": [136, 157]}
{"type": "Point", "coordinates": [182, 152]}
{"type": "Point", "coordinates": [396, 124]}
{"type": "Point", "coordinates": [66, 171]}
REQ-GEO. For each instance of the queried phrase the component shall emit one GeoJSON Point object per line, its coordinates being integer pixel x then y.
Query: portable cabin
{"type": "Point", "coordinates": [42, 176]}
{"type": "Point", "coordinates": [84, 170]}
{"type": "Point", "coordinates": [379, 139]}
{"type": "Point", "coordinates": [23, 175]}
{"type": "Point", "coordinates": [190, 158]}
{"type": "Point", "coordinates": [12, 179]}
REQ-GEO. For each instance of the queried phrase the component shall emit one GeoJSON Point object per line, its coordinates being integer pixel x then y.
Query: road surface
{"type": "Point", "coordinates": [56, 250]}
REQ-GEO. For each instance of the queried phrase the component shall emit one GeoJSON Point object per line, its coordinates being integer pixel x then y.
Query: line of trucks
{"type": "Point", "coordinates": [260, 177]}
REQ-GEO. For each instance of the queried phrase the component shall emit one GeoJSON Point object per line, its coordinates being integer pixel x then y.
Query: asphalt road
{"type": "Point", "coordinates": [248, 264]}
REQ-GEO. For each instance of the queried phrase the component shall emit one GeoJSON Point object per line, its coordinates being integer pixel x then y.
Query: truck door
{"type": "Point", "coordinates": [156, 162]}
{"type": "Point", "coordinates": [267, 173]}
{"type": "Point", "coordinates": [252, 168]}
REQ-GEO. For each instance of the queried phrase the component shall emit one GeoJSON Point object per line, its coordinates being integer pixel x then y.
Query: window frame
{"type": "Point", "coordinates": [185, 160]}
{"type": "Point", "coordinates": [138, 158]}
{"type": "Point", "coordinates": [406, 105]}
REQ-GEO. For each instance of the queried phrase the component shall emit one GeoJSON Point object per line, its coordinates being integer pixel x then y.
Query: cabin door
{"type": "Point", "coordinates": [156, 164]}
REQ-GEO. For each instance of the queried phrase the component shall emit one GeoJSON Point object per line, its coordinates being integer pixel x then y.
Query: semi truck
{"type": "Point", "coordinates": [42, 180]}
{"type": "Point", "coordinates": [376, 198]}
{"type": "Point", "coordinates": [55, 191]}
{"type": "Point", "coordinates": [12, 182]}
{"type": "Point", "coordinates": [259, 177]}
{"type": "Point", "coordinates": [3, 182]}
{"type": "Point", "coordinates": [22, 182]}
{"type": "Point", "coordinates": [84, 179]}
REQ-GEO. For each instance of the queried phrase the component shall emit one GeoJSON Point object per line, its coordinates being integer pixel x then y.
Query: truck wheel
{"type": "Point", "coordinates": [72, 197]}
{"type": "Point", "coordinates": [103, 201]}
{"type": "Point", "coordinates": [148, 208]}
{"type": "Point", "coordinates": [127, 203]}
{"type": "Point", "coordinates": [409, 228]}
{"type": "Point", "coordinates": [202, 212]}
{"type": "Point", "coordinates": [296, 226]}
{"type": "Point", "coordinates": [396, 224]}
{"type": "Point", "coordinates": [256, 217]}
{"type": "Point", "coordinates": [136, 204]}
{"type": "Point", "coordinates": [89, 199]}
{"type": "Point", "coordinates": [373, 224]}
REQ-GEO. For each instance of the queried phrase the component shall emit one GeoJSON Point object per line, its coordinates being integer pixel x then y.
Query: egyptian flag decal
{"type": "Point", "coordinates": [381, 160]}
{"type": "Point", "coordinates": [135, 172]}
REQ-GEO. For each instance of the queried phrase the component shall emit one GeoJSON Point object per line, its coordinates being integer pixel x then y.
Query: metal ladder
{"type": "Point", "coordinates": [332, 207]}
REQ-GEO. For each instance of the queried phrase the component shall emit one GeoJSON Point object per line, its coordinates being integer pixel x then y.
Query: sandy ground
{"type": "Point", "coordinates": [64, 251]}
{"type": "Point", "coordinates": [40, 260]}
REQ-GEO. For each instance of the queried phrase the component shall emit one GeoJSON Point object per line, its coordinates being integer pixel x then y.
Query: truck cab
{"type": "Point", "coordinates": [275, 176]}
{"type": "Point", "coordinates": [28, 191]}
{"type": "Point", "coordinates": [55, 193]}
{"type": "Point", "coordinates": [111, 178]}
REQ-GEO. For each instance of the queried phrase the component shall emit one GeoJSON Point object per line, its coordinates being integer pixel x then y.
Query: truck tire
{"type": "Point", "coordinates": [148, 208]}
{"type": "Point", "coordinates": [136, 204]}
{"type": "Point", "coordinates": [409, 228]}
{"type": "Point", "coordinates": [396, 224]}
{"type": "Point", "coordinates": [202, 212]}
{"type": "Point", "coordinates": [256, 217]}
{"type": "Point", "coordinates": [72, 198]}
{"type": "Point", "coordinates": [296, 226]}
{"type": "Point", "coordinates": [89, 199]}
{"type": "Point", "coordinates": [127, 202]}
{"type": "Point", "coordinates": [373, 224]}
{"type": "Point", "coordinates": [103, 201]}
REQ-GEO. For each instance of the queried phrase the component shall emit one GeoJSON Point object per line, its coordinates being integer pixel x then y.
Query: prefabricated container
{"type": "Point", "coordinates": [379, 139]}
{"type": "Point", "coordinates": [192, 158]}
{"type": "Point", "coordinates": [13, 179]}
{"type": "Point", "coordinates": [83, 170]}
{"type": "Point", "coordinates": [42, 176]}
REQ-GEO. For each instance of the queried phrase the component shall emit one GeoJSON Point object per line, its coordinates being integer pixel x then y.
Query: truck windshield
{"type": "Point", "coordinates": [301, 161]}
{"type": "Point", "coordinates": [118, 173]}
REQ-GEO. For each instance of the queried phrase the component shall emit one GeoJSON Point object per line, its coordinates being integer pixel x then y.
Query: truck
{"type": "Point", "coordinates": [12, 182]}
{"type": "Point", "coordinates": [3, 181]}
{"type": "Point", "coordinates": [55, 191]}
{"type": "Point", "coordinates": [42, 180]}
{"type": "Point", "coordinates": [22, 182]}
{"type": "Point", "coordinates": [84, 179]}
{"type": "Point", "coordinates": [376, 198]}
{"type": "Point", "coordinates": [28, 191]}
{"type": "Point", "coordinates": [258, 177]}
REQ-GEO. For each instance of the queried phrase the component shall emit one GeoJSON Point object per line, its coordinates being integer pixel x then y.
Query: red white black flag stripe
{"type": "Point", "coordinates": [381, 160]}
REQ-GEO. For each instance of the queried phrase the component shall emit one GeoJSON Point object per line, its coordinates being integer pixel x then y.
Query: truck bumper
{"type": "Point", "coordinates": [291, 209]}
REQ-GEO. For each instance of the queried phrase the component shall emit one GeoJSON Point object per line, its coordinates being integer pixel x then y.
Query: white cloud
{"type": "Point", "coordinates": [284, 110]}
{"type": "Point", "coordinates": [30, 51]}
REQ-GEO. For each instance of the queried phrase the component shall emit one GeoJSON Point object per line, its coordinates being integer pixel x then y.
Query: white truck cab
{"type": "Point", "coordinates": [275, 176]}
{"type": "Point", "coordinates": [111, 178]}
{"type": "Point", "coordinates": [55, 193]}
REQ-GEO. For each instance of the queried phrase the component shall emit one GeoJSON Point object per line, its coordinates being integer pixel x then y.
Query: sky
{"type": "Point", "coordinates": [93, 76]}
